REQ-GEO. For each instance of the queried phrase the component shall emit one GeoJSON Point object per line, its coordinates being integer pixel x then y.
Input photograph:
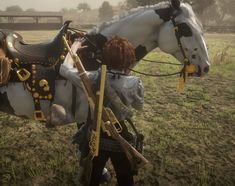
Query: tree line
{"type": "Point", "coordinates": [218, 9]}
{"type": "Point", "coordinates": [105, 10]}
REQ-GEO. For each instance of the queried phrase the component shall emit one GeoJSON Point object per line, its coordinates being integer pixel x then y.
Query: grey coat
{"type": "Point", "coordinates": [129, 88]}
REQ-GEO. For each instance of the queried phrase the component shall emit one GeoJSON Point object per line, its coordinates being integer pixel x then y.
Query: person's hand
{"type": "Point", "coordinates": [68, 62]}
{"type": "Point", "coordinates": [75, 46]}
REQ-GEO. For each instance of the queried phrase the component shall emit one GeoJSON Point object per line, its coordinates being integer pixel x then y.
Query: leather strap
{"type": "Point", "coordinates": [74, 100]}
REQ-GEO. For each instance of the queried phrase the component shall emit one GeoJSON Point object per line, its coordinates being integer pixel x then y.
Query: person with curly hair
{"type": "Point", "coordinates": [119, 56]}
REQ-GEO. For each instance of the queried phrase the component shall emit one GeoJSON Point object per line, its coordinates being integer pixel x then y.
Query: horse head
{"type": "Point", "coordinates": [189, 28]}
{"type": "Point", "coordinates": [150, 27]}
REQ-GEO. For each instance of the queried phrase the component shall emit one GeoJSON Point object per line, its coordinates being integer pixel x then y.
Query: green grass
{"type": "Point", "coordinates": [189, 136]}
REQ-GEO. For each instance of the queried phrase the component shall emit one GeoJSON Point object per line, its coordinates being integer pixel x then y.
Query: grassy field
{"type": "Point", "coordinates": [189, 136]}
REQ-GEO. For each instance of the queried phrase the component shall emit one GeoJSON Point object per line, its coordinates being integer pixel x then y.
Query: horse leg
{"type": "Point", "coordinates": [5, 104]}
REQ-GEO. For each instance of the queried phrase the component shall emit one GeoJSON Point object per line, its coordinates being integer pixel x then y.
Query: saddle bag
{"type": "Point", "coordinates": [5, 69]}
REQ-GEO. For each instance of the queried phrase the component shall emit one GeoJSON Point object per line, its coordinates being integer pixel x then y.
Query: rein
{"type": "Point", "coordinates": [157, 75]}
{"type": "Point", "coordinates": [161, 62]}
{"type": "Point", "coordinates": [186, 62]}
{"type": "Point", "coordinates": [182, 72]}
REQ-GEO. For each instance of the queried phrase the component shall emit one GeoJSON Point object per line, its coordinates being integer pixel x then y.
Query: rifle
{"type": "Point", "coordinates": [95, 131]}
{"type": "Point", "coordinates": [110, 123]}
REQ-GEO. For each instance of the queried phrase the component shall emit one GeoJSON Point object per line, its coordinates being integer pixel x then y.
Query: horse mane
{"type": "Point", "coordinates": [128, 13]}
{"type": "Point", "coordinates": [188, 11]}
{"type": "Point", "coordinates": [185, 7]}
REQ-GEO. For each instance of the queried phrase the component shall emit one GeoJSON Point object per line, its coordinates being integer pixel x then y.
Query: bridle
{"type": "Point", "coordinates": [186, 61]}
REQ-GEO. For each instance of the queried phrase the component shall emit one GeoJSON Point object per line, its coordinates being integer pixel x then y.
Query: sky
{"type": "Point", "coordinates": [52, 5]}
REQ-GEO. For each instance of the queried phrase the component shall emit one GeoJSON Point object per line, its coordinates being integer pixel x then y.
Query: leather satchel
{"type": "Point", "coordinates": [5, 69]}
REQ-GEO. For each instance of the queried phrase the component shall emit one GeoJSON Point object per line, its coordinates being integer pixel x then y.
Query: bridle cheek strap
{"type": "Point", "coordinates": [183, 72]}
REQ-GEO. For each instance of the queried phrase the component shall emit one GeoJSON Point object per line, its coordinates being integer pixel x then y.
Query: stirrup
{"type": "Point", "coordinates": [39, 116]}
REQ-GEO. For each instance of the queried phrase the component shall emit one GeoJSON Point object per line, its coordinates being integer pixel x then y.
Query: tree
{"type": "Point", "coordinates": [226, 7]}
{"type": "Point", "coordinates": [30, 10]}
{"type": "Point", "coordinates": [199, 6]}
{"type": "Point", "coordinates": [131, 4]}
{"type": "Point", "coordinates": [84, 7]}
{"type": "Point", "coordinates": [105, 11]}
{"type": "Point", "coordinates": [14, 8]}
{"type": "Point", "coordinates": [136, 3]}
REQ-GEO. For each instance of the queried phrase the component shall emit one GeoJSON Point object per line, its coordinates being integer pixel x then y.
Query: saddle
{"type": "Point", "coordinates": [36, 65]}
{"type": "Point", "coordinates": [46, 54]}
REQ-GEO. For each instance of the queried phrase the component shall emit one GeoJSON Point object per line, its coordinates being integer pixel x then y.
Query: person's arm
{"type": "Point", "coordinates": [68, 62]}
{"type": "Point", "coordinates": [67, 69]}
{"type": "Point", "coordinates": [70, 72]}
{"type": "Point", "coordinates": [138, 95]}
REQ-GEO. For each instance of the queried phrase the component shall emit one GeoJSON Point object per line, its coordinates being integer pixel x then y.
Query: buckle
{"type": "Point", "coordinates": [23, 74]}
{"type": "Point", "coordinates": [114, 120]}
{"type": "Point", "coordinates": [39, 116]}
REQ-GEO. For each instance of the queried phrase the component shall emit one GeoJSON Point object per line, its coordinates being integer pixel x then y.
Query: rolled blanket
{"type": "Point", "coordinates": [5, 69]}
{"type": "Point", "coordinates": [58, 116]}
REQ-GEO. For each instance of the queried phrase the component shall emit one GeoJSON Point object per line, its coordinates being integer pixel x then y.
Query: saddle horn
{"type": "Point", "coordinates": [175, 4]}
{"type": "Point", "coordinates": [66, 25]}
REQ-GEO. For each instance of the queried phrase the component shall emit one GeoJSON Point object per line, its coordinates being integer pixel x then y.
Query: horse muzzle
{"type": "Point", "coordinates": [202, 71]}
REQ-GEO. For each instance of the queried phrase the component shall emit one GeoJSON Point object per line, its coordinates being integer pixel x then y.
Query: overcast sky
{"type": "Point", "coordinates": [52, 5]}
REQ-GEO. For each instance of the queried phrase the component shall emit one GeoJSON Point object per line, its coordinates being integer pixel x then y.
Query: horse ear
{"type": "Point", "coordinates": [175, 4]}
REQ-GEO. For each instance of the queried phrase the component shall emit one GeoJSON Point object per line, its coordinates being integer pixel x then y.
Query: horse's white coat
{"type": "Point", "coordinates": [140, 29]}
{"type": "Point", "coordinates": [141, 26]}
{"type": "Point", "coordinates": [22, 102]}
{"type": "Point", "coordinates": [168, 43]}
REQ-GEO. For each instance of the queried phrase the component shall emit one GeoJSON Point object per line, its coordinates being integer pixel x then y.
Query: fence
{"type": "Point", "coordinates": [207, 28]}
{"type": "Point", "coordinates": [219, 29]}
{"type": "Point", "coordinates": [54, 21]}
{"type": "Point", "coordinates": [31, 20]}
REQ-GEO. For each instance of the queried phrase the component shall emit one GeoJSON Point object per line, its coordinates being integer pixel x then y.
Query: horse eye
{"type": "Point", "coordinates": [195, 49]}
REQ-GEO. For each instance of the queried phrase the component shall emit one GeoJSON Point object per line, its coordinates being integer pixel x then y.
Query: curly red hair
{"type": "Point", "coordinates": [118, 54]}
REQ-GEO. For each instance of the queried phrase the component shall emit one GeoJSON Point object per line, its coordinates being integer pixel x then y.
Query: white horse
{"type": "Point", "coordinates": [146, 28]}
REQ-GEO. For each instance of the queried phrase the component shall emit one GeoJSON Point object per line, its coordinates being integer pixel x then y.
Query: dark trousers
{"type": "Point", "coordinates": [121, 166]}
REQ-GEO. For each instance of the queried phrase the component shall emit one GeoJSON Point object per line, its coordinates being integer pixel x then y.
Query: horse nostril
{"type": "Point", "coordinates": [206, 69]}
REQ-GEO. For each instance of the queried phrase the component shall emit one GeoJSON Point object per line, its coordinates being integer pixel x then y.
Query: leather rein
{"type": "Point", "coordinates": [186, 61]}
{"type": "Point", "coordinates": [182, 72]}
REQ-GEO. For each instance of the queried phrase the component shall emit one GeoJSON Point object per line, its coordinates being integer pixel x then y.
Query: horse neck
{"type": "Point", "coordinates": [141, 29]}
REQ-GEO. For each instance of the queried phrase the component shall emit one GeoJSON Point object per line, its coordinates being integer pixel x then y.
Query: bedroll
{"type": "Point", "coordinates": [5, 68]}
